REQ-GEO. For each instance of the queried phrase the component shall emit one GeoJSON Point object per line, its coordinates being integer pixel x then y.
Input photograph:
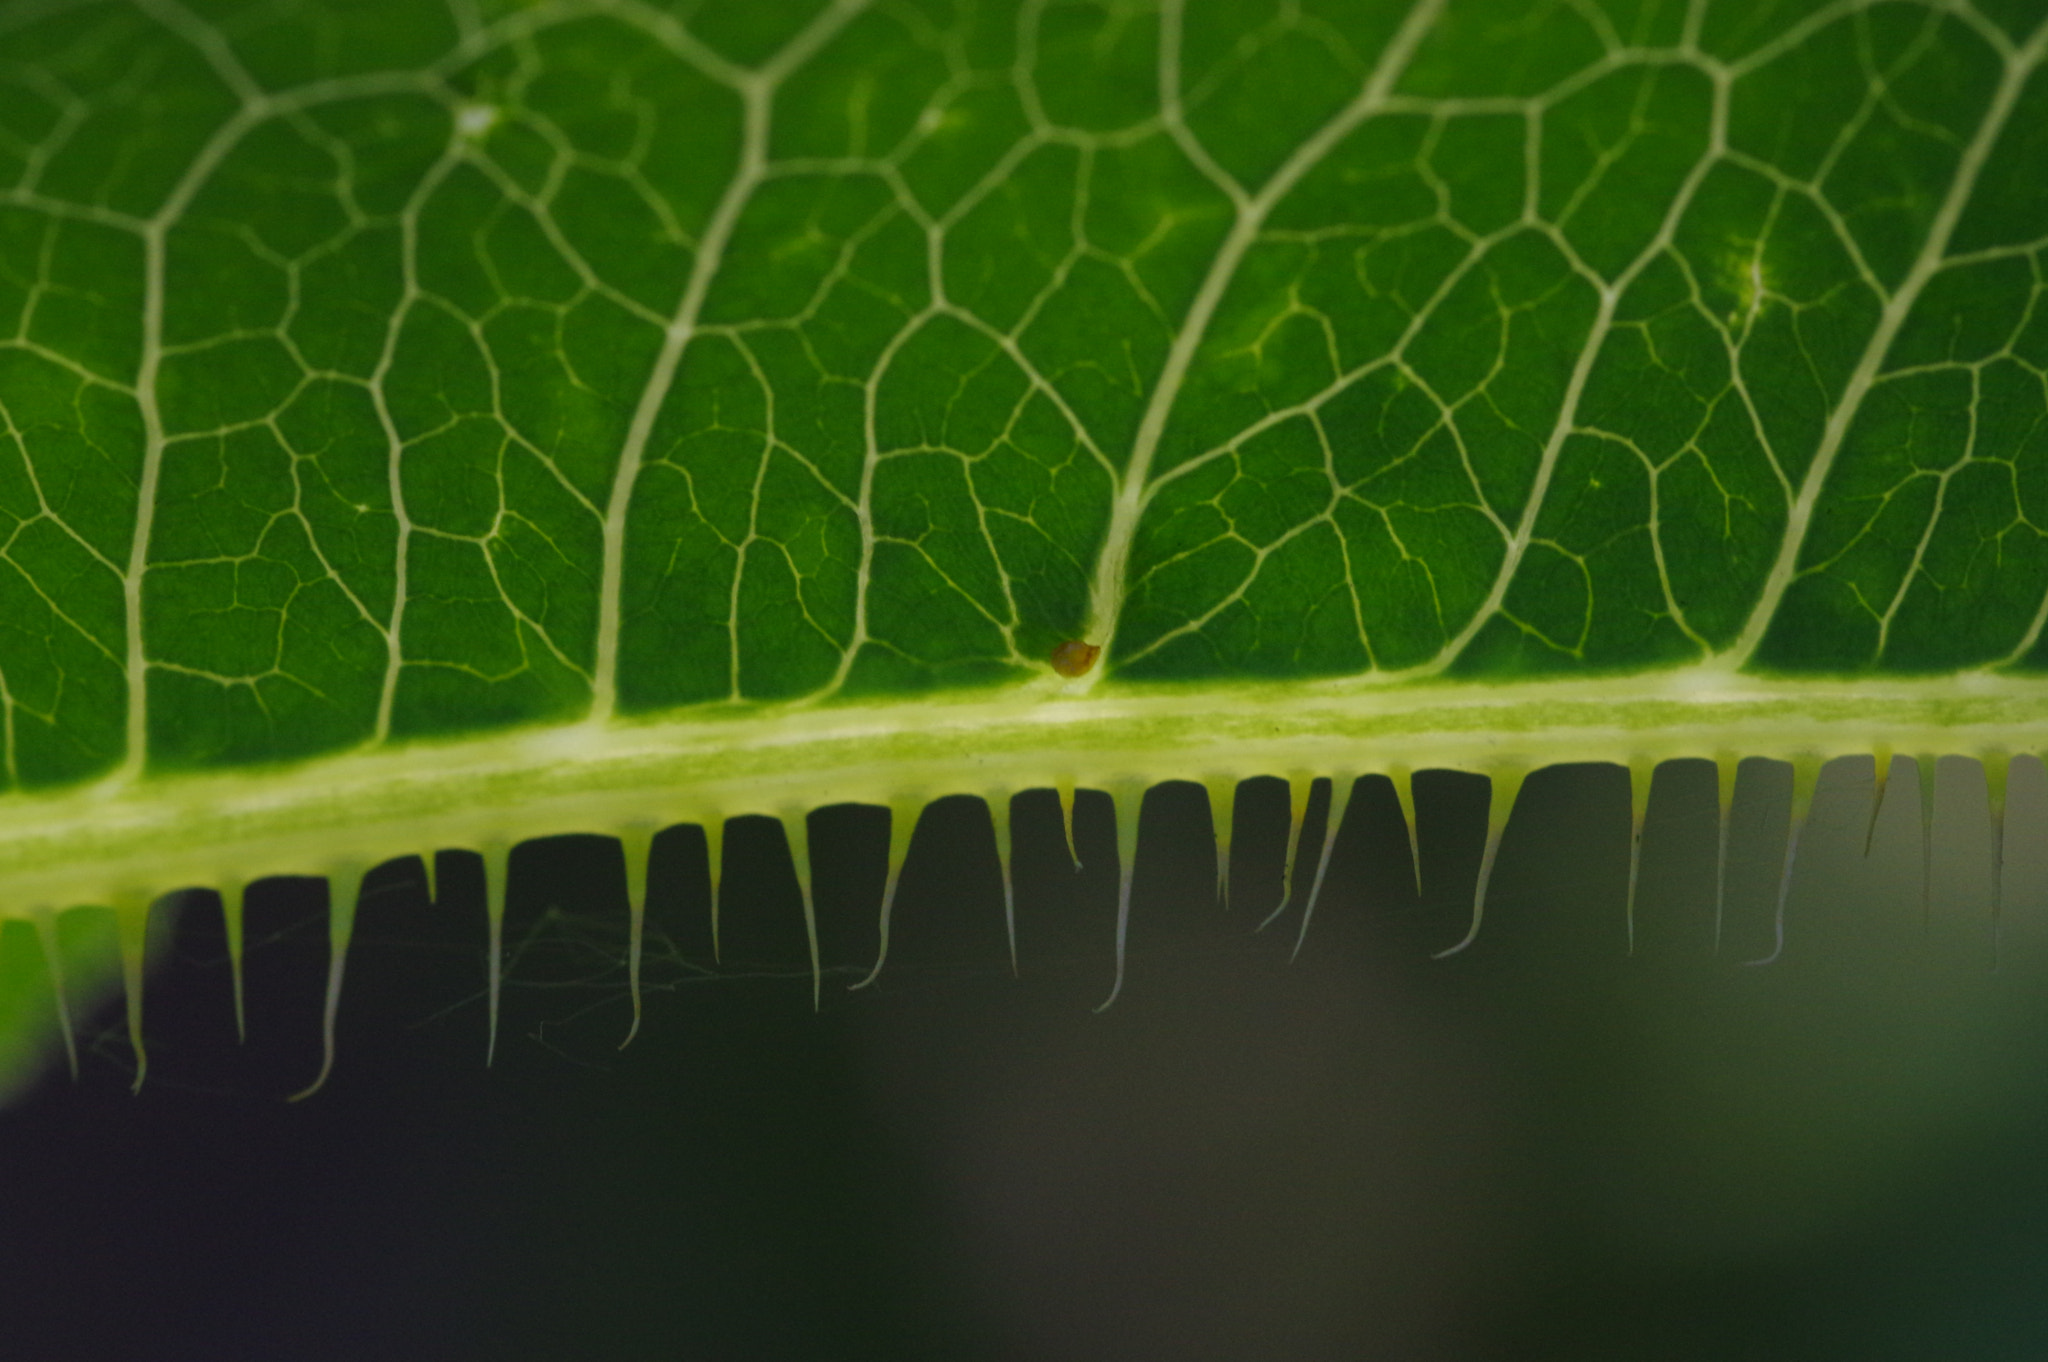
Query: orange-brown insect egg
{"type": "Point", "coordinates": [1074, 658]}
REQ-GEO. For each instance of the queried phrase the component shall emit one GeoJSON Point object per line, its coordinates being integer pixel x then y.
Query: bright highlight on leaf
{"type": "Point", "coordinates": [439, 426]}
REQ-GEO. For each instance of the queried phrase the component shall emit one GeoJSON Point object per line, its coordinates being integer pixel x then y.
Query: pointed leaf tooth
{"type": "Point", "coordinates": [714, 857]}
{"type": "Point", "coordinates": [998, 802]}
{"type": "Point", "coordinates": [232, 892]}
{"type": "Point", "coordinates": [903, 816]}
{"type": "Point", "coordinates": [1222, 815]}
{"type": "Point", "coordinates": [1928, 766]}
{"type": "Point", "coordinates": [344, 889]}
{"type": "Point", "coordinates": [497, 868]}
{"type": "Point", "coordinates": [636, 845]}
{"type": "Point", "coordinates": [131, 922]}
{"type": "Point", "coordinates": [1340, 799]}
{"type": "Point", "coordinates": [1404, 790]}
{"type": "Point", "coordinates": [1299, 788]}
{"type": "Point", "coordinates": [1997, 768]}
{"type": "Point", "coordinates": [53, 959]}
{"type": "Point", "coordinates": [796, 827]}
{"type": "Point", "coordinates": [1805, 776]}
{"type": "Point", "coordinates": [1727, 768]}
{"type": "Point", "coordinates": [1064, 787]}
{"type": "Point", "coordinates": [1129, 798]}
{"type": "Point", "coordinates": [1507, 784]}
{"type": "Point", "coordinates": [1880, 776]}
{"type": "Point", "coordinates": [1642, 774]}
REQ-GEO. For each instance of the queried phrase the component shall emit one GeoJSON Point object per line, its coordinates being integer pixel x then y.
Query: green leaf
{"type": "Point", "coordinates": [431, 425]}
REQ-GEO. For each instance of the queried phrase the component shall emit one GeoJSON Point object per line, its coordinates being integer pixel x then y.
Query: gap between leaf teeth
{"type": "Point", "coordinates": [636, 845]}
{"type": "Point", "coordinates": [1299, 788]}
{"type": "Point", "coordinates": [1341, 786]}
{"type": "Point", "coordinates": [1805, 776]}
{"type": "Point", "coordinates": [1507, 784]}
{"type": "Point", "coordinates": [903, 816]}
{"type": "Point", "coordinates": [344, 889]}
{"type": "Point", "coordinates": [796, 828]}
{"type": "Point", "coordinates": [1642, 775]}
{"type": "Point", "coordinates": [998, 802]}
{"type": "Point", "coordinates": [430, 875]}
{"type": "Point", "coordinates": [1222, 816]}
{"type": "Point", "coordinates": [1128, 798]}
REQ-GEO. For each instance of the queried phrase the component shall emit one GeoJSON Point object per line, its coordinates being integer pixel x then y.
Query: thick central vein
{"type": "Point", "coordinates": [1134, 488]}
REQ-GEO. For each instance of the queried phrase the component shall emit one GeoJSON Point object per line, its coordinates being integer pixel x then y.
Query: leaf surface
{"type": "Point", "coordinates": [676, 410]}
{"type": "Point", "coordinates": [377, 372]}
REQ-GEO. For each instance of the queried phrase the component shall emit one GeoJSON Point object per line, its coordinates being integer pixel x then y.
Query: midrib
{"type": "Point", "coordinates": [169, 831]}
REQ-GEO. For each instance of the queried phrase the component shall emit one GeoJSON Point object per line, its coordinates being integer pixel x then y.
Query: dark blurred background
{"type": "Point", "coordinates": [1542, 1147]}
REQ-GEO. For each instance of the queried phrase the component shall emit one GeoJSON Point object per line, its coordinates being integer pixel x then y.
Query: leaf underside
{"type": "Point", "coordinates": [489, 387]}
